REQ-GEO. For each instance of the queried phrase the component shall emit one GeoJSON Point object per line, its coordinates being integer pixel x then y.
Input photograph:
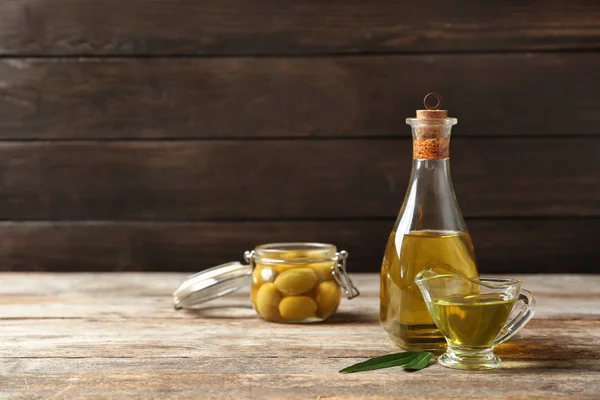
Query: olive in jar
{"type": "Point", "coordinates": [300, 285]}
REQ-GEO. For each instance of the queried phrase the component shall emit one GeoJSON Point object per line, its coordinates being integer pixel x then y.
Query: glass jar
{"type": "Point", "coordinates": [289, 282]}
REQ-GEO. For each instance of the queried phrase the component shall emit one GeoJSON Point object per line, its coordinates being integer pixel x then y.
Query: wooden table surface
{"type": "Point", "coordinates": [117, 336]}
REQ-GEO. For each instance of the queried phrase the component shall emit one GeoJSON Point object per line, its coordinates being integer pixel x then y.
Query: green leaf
{"type": "Point", "coordinates": [390, 360]}
{"type": "Point", "coordinates": [419, 362]}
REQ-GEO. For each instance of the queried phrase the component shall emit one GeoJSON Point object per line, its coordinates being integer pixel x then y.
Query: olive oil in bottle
{"type": "Point", "coordinates": [403, 311]}
{"type": "Point", "coordinates": [430, 233]}
{"type": "Point", "coordinates": [472, 321]}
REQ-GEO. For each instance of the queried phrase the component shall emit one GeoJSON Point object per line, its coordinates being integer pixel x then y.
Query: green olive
{"type": "Point", "coordinates": [296, 281]}
{"type": "Point", "coordinates": [328, 298]}
{"type": "Point", "coordinates": [312, 293]}
{"type": "Point", "coordinates": [324, 270]}
{"type": "Point", "coordinates": [297, 308]}
{"type": "Point", "coordinates": [267, 301]}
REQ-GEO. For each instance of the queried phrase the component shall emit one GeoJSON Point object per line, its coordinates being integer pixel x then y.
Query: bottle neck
{"type": "Point", "coordinates": [430, 202]}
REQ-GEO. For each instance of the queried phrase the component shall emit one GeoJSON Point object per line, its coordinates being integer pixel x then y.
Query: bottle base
{"type": "Point", "coordinates": [417, 337]}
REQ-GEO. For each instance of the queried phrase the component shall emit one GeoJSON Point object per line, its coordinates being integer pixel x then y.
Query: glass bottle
{"type": "Point", "coordinates": [429, 233]}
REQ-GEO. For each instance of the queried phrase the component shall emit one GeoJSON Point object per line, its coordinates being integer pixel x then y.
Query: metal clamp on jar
{"type": "Point", "coordinates": [290, 282]}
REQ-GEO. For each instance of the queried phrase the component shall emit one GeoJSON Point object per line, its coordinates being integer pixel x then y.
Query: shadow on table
{"type": "Point", "coordinates": [354, 318]}
{"type": "Point", "coordinates": [230, 311]}
{"type": "Point", "coordinates": [547, 355]}
{"type": "Point", "coordinates": [245, 311]}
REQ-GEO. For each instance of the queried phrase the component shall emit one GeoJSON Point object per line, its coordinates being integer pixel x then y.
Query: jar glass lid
{"type": "Point", "coordinates": [212, 283]}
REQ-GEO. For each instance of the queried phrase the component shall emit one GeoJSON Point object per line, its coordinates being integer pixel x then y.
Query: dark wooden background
{"type": "Point", "coordinates": [175, 134]}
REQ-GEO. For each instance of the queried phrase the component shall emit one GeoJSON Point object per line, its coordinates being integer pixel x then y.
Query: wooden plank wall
{"type": "Point", "coordinates": [175, 134]}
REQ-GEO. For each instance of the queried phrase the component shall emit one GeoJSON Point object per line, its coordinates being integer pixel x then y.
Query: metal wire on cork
{"type": "Point", "coordinates": [439, 100]}
{"type": "Point", "coordinates": [431, 140]}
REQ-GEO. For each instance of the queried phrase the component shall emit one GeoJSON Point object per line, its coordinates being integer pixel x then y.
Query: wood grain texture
{"type": "Point", "coordinates": [503, 246]}
{"type": "Point", "coordinates": [69, 296]}
{"type": "Point", "coordinates": [32, 27]}
{"type": "Point", "coordinates": [494, 94]}
{"type": "Point", "coordinates": [138, 347]}
{"type": "Point", "coordinates": [160, 385]}
{"type": "Point", "coordinates": [217, 90]}
{"type": "Point", "coordinates": [308, 179]}
{"type": "Point", "coordinates": [245, 338]}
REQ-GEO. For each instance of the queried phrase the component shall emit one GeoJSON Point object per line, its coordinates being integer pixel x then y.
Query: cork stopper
{"type": "Point", "coordinates": [431, 140]}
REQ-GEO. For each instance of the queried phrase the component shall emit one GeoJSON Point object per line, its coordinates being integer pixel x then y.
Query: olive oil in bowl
{"type": "Point", "coordinates": [472, 321]}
